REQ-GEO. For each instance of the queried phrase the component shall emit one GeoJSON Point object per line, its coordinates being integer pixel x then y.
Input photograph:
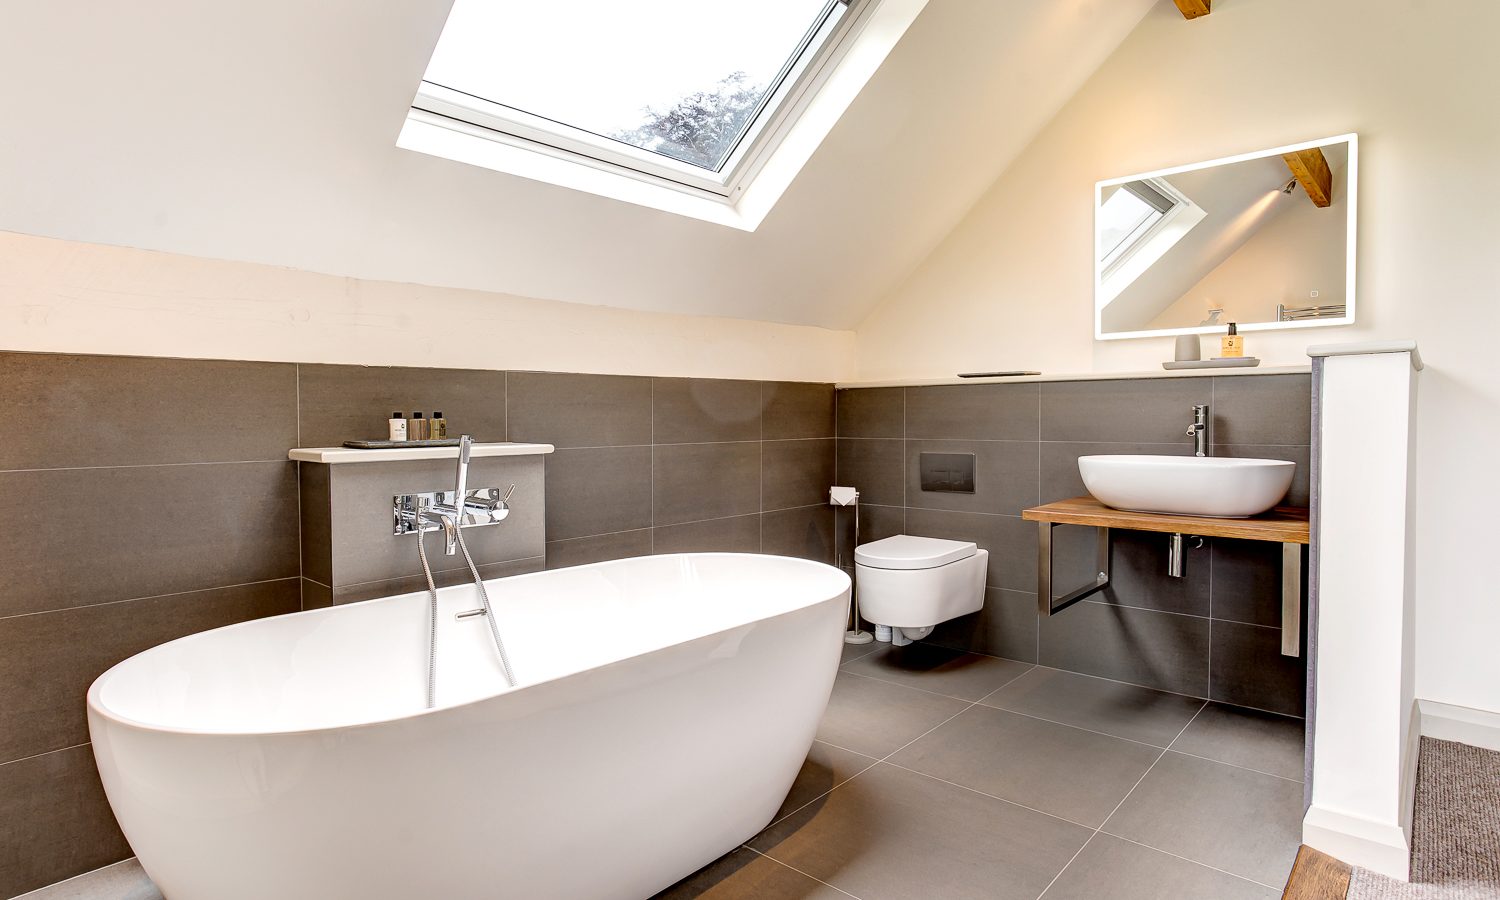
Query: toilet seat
{"type": "Point", "coordinates": [904, 551]}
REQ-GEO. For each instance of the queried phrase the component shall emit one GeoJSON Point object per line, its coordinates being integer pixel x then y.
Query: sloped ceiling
{"type": "Point", "coordinates": [265, 132]}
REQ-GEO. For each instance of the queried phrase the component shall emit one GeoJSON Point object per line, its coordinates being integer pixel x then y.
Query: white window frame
{"type": "Point", "coordinates": [835, 60]}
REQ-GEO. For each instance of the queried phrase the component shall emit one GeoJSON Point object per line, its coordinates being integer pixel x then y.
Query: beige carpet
{"type": "Point", "coordinates": [1455, 830]}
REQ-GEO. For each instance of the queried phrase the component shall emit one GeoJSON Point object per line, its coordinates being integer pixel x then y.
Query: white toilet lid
{"type": "Point", "coordinates": [904, 551]}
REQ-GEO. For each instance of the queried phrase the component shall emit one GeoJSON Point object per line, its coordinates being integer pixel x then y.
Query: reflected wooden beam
{"type": "Point", "coordinates": [1311, 170]}
{"type": "Point", "coordinates": [1192, 9]}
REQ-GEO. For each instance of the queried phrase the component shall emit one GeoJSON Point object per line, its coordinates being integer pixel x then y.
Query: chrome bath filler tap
{"type": "Point", "coordinates": [1198, 431]}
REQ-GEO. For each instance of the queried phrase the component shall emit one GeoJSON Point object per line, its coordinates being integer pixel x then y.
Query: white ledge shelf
{"type": "Point", "coordinates": [1236, 372]}
{"type": "Point", "coordinates": [337, 455]}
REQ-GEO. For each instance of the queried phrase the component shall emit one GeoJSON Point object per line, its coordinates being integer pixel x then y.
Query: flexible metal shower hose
{"type": "Point", "coordinates": [484, 600]}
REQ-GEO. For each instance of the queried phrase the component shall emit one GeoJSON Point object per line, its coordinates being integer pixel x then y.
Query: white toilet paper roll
{"type": "Point", "coordinates": [842, 496]}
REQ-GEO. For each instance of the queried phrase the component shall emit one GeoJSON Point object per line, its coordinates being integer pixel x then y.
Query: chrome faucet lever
{"type": "Point", "coordinates": [450, 511]}
{"type": "Point", "coordinates": [1198, 431]}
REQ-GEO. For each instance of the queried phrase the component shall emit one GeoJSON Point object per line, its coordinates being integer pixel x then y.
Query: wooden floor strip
{"type": "Point", "coordinates": [1317, 876]}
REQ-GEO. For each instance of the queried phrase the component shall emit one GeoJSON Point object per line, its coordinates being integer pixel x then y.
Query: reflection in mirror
{"type": "Point", "coordinates": [1264, 239]}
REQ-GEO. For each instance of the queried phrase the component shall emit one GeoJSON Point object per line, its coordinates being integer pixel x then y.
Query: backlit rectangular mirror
{"type": "Point", "coordinates": [1263, 239]}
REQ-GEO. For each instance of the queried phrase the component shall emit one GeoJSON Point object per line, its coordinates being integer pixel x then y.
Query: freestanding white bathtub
{"type": "Point", "coordinates": [665, 706]}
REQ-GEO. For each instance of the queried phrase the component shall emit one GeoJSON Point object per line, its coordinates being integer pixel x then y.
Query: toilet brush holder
{"type": "Point", "coordinates": [846, 497]}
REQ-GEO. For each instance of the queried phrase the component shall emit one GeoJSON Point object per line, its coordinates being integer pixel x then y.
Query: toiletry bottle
{"type": "Point", "coordinates": [417, 430]}
{"type": "Point", "coordinates": [1232, 345]}
{"type": "Point", "coordinates": [398, 427]}
{"type": "Point", "coordinates": [438, 426]}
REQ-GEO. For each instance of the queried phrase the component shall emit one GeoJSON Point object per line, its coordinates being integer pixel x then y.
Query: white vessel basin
{"type": "Point", "coordinates": [1187, 485]}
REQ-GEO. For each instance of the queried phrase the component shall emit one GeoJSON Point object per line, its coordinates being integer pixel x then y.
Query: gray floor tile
{"type": "Point", "coordinates": [855, 651]}
{"type": "Point", "coordinates": [890, 833]}
{"type": "Point", "coordinates": [122, 881]}
{"type": "Point", "coordinates": [1243, 822]}
{"type": "Point", "coordinates": [1246, 737]}
{"type": "Point", "coordinates": [747, 874]}
{"type": "Point", "coordinates": [1120, 870]}
{"type": "Point", "coordinates": [877, 717]}
{"type": "Point", "coordinates": [826, 768]}
{"type": "Point", "coordinates": [928, 667]}
{"type": "Point", "coordinates": [1123, 710]}
{"type": "Point", "coordinates": [1063, 771]}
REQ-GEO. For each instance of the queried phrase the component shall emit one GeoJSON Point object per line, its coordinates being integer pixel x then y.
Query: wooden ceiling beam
{"type": "Point", "coordinates": [1192, 9]}
{"type": "Point", "coordinates": [1310, 168]}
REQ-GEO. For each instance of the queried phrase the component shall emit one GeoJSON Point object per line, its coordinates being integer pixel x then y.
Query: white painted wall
{"type": "Point", "coordinates": [1010, 287]}
{"type": "Point", "coordinates": [70, 297]}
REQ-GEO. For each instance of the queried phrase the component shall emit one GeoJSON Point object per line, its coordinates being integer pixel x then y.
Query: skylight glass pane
{"type": "Point", "coordinates": [1121, 216]}
{"type": "Point", "coordinates": [681, 78]}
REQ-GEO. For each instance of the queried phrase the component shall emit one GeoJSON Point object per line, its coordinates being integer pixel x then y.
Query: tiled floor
{"type": "Point", "coordinates": [942, 774]}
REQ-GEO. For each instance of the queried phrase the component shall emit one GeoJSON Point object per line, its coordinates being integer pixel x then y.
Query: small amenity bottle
{"type": "Point", "coordinates": [438, 426]}
{"type": "Point", "coordinates": [416, 430]}
{"type": "Point", "coordinates": [398, 427]}
{"type": "Point", "coordinates": [1232, 344]}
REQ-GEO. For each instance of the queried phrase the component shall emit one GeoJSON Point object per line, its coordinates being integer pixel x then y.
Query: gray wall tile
{"type": "Point", "coordinates": [876, 468]}
{"type": "Point", "coordinates": [1138, 569]}
{"type": "Point", "coordinates": [568, 410]}
{"type": "Point", "coordinates": [598, 491]}
{"type": "Point", "coordinates": [48, 660]}
{"type": "Point", "coordinates": [365, 549]}
{"type": "Point", "coordinates": [598, 548]}
{"type": "Point", "coordinates": [1148, 411]}
{"type": "Point", "coordinates": [131, 411]}
{"type": "Point", "coordinates": [1249, 670]}
{"type": "Point", "coordinates": [148, 530]}
{"type": "Point", "coordinates": [806, 533]}
{"type": "Point", "coordinates": [992, 412]}
{"type": "Point", "coordinates": [1006, 626]}
{"type": "Point", "coordinates": [872, 413]}
{"type": "Point", "coordinates": [315, 595]}
{"type": "Point", "coordinates": [343, 403]}
{"type": "Point", "coordinates": [407, 584]}
{"type": "Point", "coordinates": [737, 534]}
{"type": "Point", "coordinates": [697, 410]}
{"type": "Point", "coordinates": [692, 482]}
{"type": "Point", "coordinates": [55, 821]}
{"type": "Point", "coordinates": [1005, 476]}
{"type": "Point", "coordinates": [1247, 581]}
{"type": "Point", "coordinates": [316, 505]}
{"type": "Point", "coordinates": [1263, 409]}
{"type": "Point", "coordinates": [1159, 650]}
{"type": "Point", "coordinates": [796, 473]}
{"type": "Point", "coordinates": [792, 409]}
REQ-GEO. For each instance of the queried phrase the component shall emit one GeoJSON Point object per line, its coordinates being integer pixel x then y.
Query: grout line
{"type": "Point", "coordinates": [89, 874]}
{"type": "Point", "coordinates": [20, 759]}
{"type": "Point", "coordinates": [974, 790]}
{"type": "Point", "coordinates": [215, 587]}
{"type": "Point", "coordinates": [651, 546]}
{"type": "Point", "coordinates": [797, 870]}
{"type": "Point", "coordinates": [1194, 862]}
{"type": "Point", "coordinates": [1070, 862]}
{"type": "Point", "coordinates": [165, 465]}
{"type": "Point", "coordinates": [1221, 762]}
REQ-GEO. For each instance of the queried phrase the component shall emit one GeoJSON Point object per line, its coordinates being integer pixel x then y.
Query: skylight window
{"type": "Point", "coordinates": [707, 110]}
{"type": "Point", "coordinates": [680, 90]}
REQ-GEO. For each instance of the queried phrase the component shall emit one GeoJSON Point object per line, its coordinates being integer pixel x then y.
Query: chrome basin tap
{"type": "Point", "coordinates": [1198, 431]}
{"type": "Point", "coordinates": [449, 511]}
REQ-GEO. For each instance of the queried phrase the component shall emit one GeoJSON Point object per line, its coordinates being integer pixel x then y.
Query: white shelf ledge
{"type": "Point", "coordinates": [336, 455]}
{"type": "Point", "coordinates": [1231, 371]}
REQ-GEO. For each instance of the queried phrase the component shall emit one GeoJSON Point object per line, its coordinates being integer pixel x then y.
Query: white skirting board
{"type": "Point", "coordinates": [1359, 842]}
{"type": "Point", "coordinates": [1446, 722]}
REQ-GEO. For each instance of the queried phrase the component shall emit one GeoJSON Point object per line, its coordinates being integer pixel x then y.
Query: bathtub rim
{"type": "Point", "coordinates": [94, 706]}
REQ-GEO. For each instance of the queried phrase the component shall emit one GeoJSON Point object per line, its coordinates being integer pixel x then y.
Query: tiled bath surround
{"type": "Point", "coordinates": [1214, 633]}
{"type": "Point", "coordinates": [153, 498]}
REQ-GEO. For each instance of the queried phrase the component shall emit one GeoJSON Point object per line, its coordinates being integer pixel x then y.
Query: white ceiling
{"type": "Point", "coordinates": [266, 131]}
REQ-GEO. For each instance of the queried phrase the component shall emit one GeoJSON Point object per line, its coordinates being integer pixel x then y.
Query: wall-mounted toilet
{"type": "Point", "coordinates": [912, 583]}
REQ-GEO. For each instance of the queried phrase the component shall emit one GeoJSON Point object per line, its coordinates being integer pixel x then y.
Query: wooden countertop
{"type": "Point", "coordinates": [1284, 524]}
